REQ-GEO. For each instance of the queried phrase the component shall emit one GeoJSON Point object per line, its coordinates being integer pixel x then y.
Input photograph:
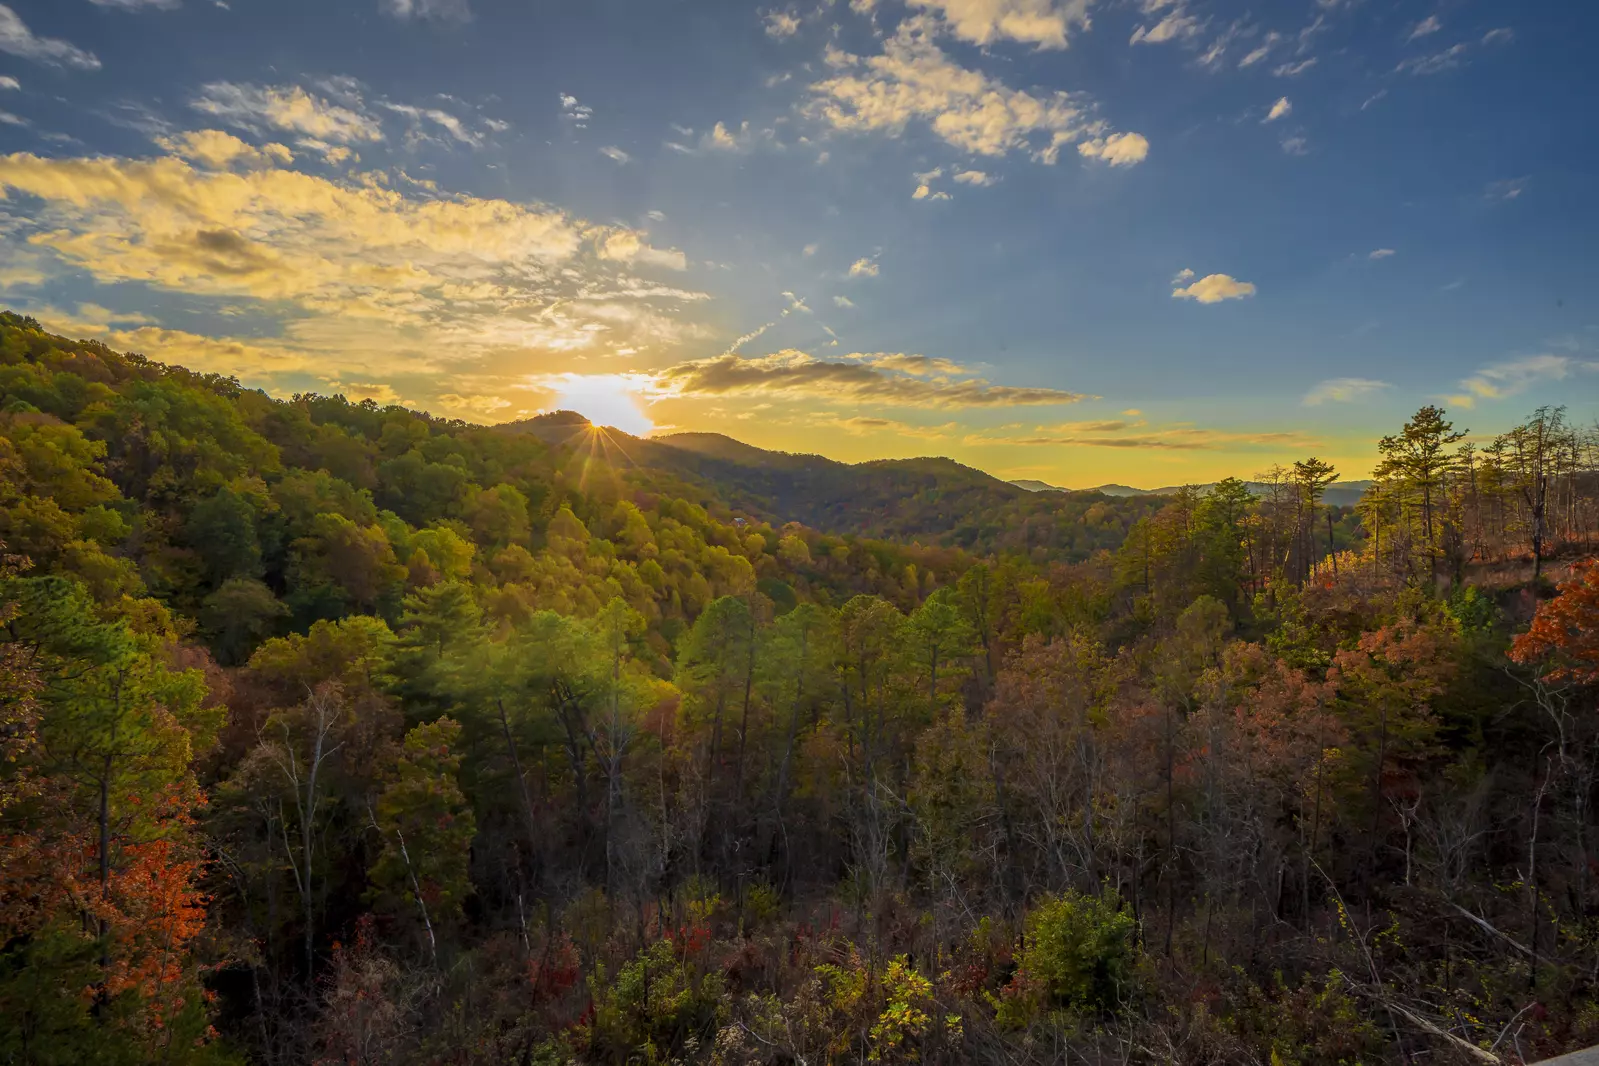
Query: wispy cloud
{"type": "Point", "coordinates": [1342, 390]}
{"type": "Point", "coordinates": [1425, 28]}
{"type": "Point", "coordinates": [290, 108]}
{"type": "Point", "coordinates": [974, 177]}
{"type": "Point", "coordinates": [9, 83]}
{"type": "Point", "coordinates": [858, 379]}
{"type": "Point", "coordinates": [138, 5]}
{"type": "Point", "coordinates": [1293, 70]}
{"type": "Point", "coordinates": [1045, 23]}
{"type": "Point", "coordinates": [1512, 377]}
{"type": "Point", "coordinates": [16, 39]}
{"type": "Point", "coordinates": [615, 154]}
{"type": "Point", "coordinates": [456, 10]}
{"type": "Point", "coordinates": [1281, 109]}
{"type": "Point", "coordinates": [1381, 253]}
{"type": "Point", "coordinates": [1502, 35]}
{"type": "Point", "coordinates": [1212, 288]}
{"type": "Point", "coordinates": [1509, 189]}
{"type": "Point", "coordinates": [843, 301]}
{"type": "Point", "coordinates": [863, 268]}
{"type": "Point", "coordinates": [1175, 437]}
{"type": "Point", "coordinates": [1296, 146]}
{"type": "Point", "coordinates": [1437, 63]}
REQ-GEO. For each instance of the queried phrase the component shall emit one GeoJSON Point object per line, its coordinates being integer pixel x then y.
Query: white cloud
{"type": "Point", "coordinates": [974, 177]}
{"type": "Point", "coordinates": [913, 80]}
{"type": "Point", "coordinates": [655, 216]}
{"type": "Point", "coordinates": [16, 39]}
{"type": "Point", "coordinates": [843, 301]}
{"type": "Point", "coordinates": [427, 9]}
{"type": "Point", "coordinates": [1045, 23]}
{"type": "Point", "coordinates": [781, 24]}
{"type": "Point", "coordinates": [742, 139]}
{"type": "Point", "coordinates": [8, 119]}
{"type": "Point", "coordinates": [1280, 109]}
{"type": "Point", "coordinates": [1119, 149]}
{"type": "Point", "coordinates": [1437, 63]}
{"type": "Point", "coordinates": [290, 108]}
{"type": "Point", "coordinates": [627, 246]}
{"type": "Point", "coordinates": [1213, 288]}
{"type": "Point", "coordinates": [616, 155]}
{"type": "Point", "coordinates": [863, 268]}
{"type": "Point", "coordinates": [1509, 189]}
{"type": "Point", "coordinates": [1181, 276]}
{"type": "Point", "coordinates": [1515, 376]}
{"type": "Point", "coordinates": [1293, 70]}
{"type": "Point", "coordinates": [809, 250]}
{"type": "Point", "coordinates": [137, 5]}
{"type": "Point", "coordinates": [1342, 390]}
{"type": "Point", "coordinates": [1296, 146]}
{"type": "Point", "coordinates": [1502, 35]}
{"type": "Point", "coordinates": [9, 83]}
{"type": "Point", "coordinates": [443, 119]}
{"type": "Point", "coordinates": [1381, 253]}
{"type": "Point", "coordinates": [1425, 28]}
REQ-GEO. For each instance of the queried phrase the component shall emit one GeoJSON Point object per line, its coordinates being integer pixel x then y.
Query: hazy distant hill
{"type": "Point", "coordinates": [1342, 494]}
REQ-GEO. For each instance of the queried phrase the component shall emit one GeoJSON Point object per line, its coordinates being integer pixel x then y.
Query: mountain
{"type": "Point", "coordinates": [934, 501]}
{"type": "Point", "coordinates": [1341, 494]}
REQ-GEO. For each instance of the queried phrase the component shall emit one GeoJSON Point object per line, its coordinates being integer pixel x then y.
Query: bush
{"type": "Point", "coordinates": [1077, 955]}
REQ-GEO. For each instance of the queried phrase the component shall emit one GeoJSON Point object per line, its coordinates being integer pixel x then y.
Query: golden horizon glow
{"type": "Point", "coordinates": [613, 401]}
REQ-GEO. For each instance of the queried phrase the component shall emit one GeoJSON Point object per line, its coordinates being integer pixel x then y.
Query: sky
{"type": "Point", "coordinates": [1081, 241]}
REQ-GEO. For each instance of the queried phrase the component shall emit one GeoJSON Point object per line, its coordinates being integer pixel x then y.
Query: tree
{"type": "Point", "coordinates": [1416, 461]}
{"type": "Point", "coordinates": [425, 829]}
{"type": "Point", "coordinates": [1565, 630]}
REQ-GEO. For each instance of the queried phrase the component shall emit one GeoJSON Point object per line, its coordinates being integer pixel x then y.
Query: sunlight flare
{"type": "Point", "coordinates": [614, 400]}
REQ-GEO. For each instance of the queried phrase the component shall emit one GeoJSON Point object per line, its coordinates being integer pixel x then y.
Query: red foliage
{"type": "Point", "coordinates": [1565, 630]}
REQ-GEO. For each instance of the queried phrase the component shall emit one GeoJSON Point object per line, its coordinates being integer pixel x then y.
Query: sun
{"type": "Point", "coordinates": [613, 400]}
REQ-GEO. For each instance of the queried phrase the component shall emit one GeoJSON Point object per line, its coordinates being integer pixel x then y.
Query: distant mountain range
{"type": "Point", "coordinates": [932, 500]}
{"type": "Point", "coordinates": [1340, 494]}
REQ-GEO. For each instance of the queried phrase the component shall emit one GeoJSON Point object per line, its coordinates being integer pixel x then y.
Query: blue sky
{"type": "Point", "coordinates": [1079, 240]}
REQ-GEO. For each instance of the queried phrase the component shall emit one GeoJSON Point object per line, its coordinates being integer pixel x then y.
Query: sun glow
{"type": "Point", "coordinates": [614, 400]}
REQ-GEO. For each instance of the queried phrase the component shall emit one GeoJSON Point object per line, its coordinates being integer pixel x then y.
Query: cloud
{"type": "Point", "coordinates": [1515, 376]}
{"type": "Point", "coordinates": [1293, 70]}
{"type": "Point", "coordinates": [1509, 189]}
{"type": "Point", "coordinates": [8, 119]}
{"type": "Point", "coordinates": [1181, 276]}
{"type": "Point", "coordinates": [576, 113]}
{"type": "Point", "coordinates": [626, 246]}
{"type": "Point", "coordinates": [615, 154]}
{"type": "Point", "coordinates": [843, 301]}
{"type": "Point", "coordinates": [863, 268]}
{"type": "Point", "coordinates": [9, 83]}
{"type": "Point", "coordinates": [215, 150]}
{"type": "Point", "coordinates": [1178, 25]}
{"type": "Point", "coordinates": [1437, 63]}
{"type": "Point", "coordinates": [974, 177]}
{"type": "Point", "coordinates": [1502, 35]}
{"type": "Point", "coordinates": [1213, 289]}
{"type": "Point", "coordinates": [1382, 253]}
{"type": "Point", "coordinates": [1045, 23]}
{"type": "Point", "coordinates": [1280, 109]}
{"type": "Point", "coordinates": [1119, 149]}
{"type": "Point", "coordinates": [364, 279]}
{"type": "Point", "coordinates": [16, 39]}
{"type": "Point", "coordinates": [742, 139]}
{"type": "Point", "coordinates": [781, 24]}
{"type": "Point", "coordinates": [1176, 437]}
{"type": "Point", "coordinates": [1425, 28]}
{"type": "Point", "coordinates": [443, 119]}
{"type": "Point", "coordinates": [1296, 146]}
{"type": "Point", "coordinates": [1342, 390]}
{"type": "Point", "coordinates": [290, 108]}
{"type": "Point", "coordinates": [914, 81]}
{"type": "Point", "coordinates": [1260, 52]}
{"type": "Point", "coordinates": [858, 379]}
{"type": "Point", "coordinates": [137, 5]}
{"type": "Point", "coordinates": [457, 10]}
{"type": "Point", "coordinates": [809, 250]}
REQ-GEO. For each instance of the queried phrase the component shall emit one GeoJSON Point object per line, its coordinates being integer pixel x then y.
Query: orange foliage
{"type": "Point", "coordinates": [1565, 630]}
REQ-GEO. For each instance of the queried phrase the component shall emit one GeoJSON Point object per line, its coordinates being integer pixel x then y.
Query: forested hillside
{"type": "Point", "coordinates": [334, 733]}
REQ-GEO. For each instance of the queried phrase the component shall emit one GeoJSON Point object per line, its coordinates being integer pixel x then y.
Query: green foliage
{"type": "Point", "coordinates": [1078, 954]}
{"type": "Point", "coordinates": [658, 1006]}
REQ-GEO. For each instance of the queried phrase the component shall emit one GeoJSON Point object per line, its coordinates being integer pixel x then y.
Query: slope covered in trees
{"type": "Point", "coordinates": [340, 734]}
